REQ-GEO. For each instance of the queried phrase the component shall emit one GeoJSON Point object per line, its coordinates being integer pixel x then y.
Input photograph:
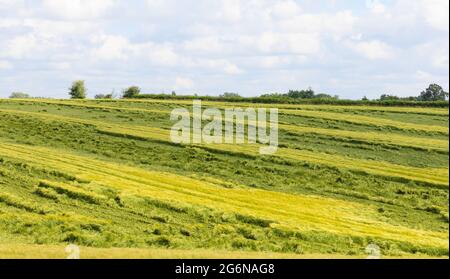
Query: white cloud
{"type": "Point", "coordinates": [21, 47]}
{"type": "Point", "coordinates": [273, 61]}
{"type": "Point", "coordinates": [230, 10]}
{"type": "Point", "coordinates": [111, 48]}
{"type": "Point", "coordinates": [376, 6]}
{"type": "Point", "coordinates": [204, 44]}
{"type": "Point", "coordinates": [78, 9]}
{"type": "Point", "coordinates": [5, 65]}
{"type": "Point", "coordinates": [7, 4]}
{"type": "Point", "coordinates": [338, 24]}
{"type": "Point", "coordinates": [120, 48]}
{"type": "Point", "coordinates": [433, 53]}
{"type": "Point", "coordinates": [373, 50]}
{"type": "Point", "coordinates": [157, 4]}
{"type": "Point", "coordinates": [436, 13]}
{"type": "Point", "coordinates": [423, 76]}
{"type": "Point", "coordinates": [294, 43]}
{"type": "Point", "coordinates": [283, 9]}
{"type": "Point", "coordinates": [162, 55]}
{"type": "Point", "coordinates": [60, 66]}
{"type": "Point", "coordinates": [441, 61]}
{"type": "Point", "coordinates": [231, 69]}
{"type": "Point", "coordinates": [160, 8]}
{"type": "Point", "coordinates": [217, 65]}
{"type": "Point", "coordinates": [183, 83]}
{"type": "Point", "coordinates": [251, 46]}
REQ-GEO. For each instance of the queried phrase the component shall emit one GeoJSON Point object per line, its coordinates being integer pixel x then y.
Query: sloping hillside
{"type": "Point", "coordinates": [104, 174]}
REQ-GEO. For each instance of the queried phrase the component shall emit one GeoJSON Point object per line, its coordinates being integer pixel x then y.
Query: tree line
{"type": "Point", "coordinates": [434, 93]}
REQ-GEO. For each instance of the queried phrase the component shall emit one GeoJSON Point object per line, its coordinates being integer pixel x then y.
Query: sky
{"type": "Point", "coordinates": [350, 48]}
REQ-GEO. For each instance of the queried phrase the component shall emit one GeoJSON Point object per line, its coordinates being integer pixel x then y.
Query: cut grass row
{"type": "Point", "coordinates": [140, 222]}
{"type": "Point", "coordinates": [319, 114]}
{"type": "Point", "coordinates": [366, 120]}
{"type": "Point", "coordinates": [369, 137]}
{"type": "Point", "coordinates": [336, 108]}
{"type": "Point", "coordinates": [304, 213]}
{"type": "Point", "coordinates": [435, 176]}
{"type": "Point", "coordinates": [372, 137]}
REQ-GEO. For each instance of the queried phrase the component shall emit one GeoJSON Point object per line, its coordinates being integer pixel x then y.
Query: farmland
{"type": "Point", "coordinates": [104, 175]}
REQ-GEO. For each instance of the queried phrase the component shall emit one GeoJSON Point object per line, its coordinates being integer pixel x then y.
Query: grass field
{"type": "Point", "coordinates": [104, 175]}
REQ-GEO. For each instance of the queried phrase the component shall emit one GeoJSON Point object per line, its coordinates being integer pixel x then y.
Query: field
{"type": "Point", "coordinates": [104, 175]}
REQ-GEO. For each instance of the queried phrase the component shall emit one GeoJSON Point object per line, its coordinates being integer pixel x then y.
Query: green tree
{"type": "Point", "coordinates": [230, 95]}
{"type": "Point", "coordinates": [77, 90]}
{"type": "Point", "coordinates": [19, 95]}
{"type": "Point", "coordinates": [131, 92]}
{"type": "Point", "coordinates": [434, 92]}
{"type": "Point", "coordinates": [387, 97]}
{"type": "Point", "coordinates": [104, 96]}
{"type": "Point", "coordinates": [323, 96]}
{"type": "Point", "coordinates": [302, 94]}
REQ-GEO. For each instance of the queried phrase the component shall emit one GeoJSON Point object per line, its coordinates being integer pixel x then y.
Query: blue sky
{"type": "Point", "coordinates": [349, 48]}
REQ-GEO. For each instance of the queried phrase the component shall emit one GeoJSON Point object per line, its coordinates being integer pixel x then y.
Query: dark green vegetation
{"type": "Point", "coordinates": [433, 96]}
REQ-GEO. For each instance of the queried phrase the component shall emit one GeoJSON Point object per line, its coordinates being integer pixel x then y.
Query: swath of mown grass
{"type": "Point", "coordinates": [129, 225]}
{"type": "Point", "coordinates": [296, 211]}
{"type": "Point", "coordinates": [19, 203]}
{"type": "Point", "coordinates": [366, 120]}
{"type": "Point", "coordinates": [438, 176]}
{"type": "Point", "coordinates": [372, 137]}
{"type": "Point", "coordinates": [397, 198]}
{"type": "Point", "coordinates": [433, 176]}
{"type": "Point", "coordinates": [369, 137]}
{"type": "Point", "coordinates": [336, 108]}
{"type": "Point", "coordinates": [72, 191]}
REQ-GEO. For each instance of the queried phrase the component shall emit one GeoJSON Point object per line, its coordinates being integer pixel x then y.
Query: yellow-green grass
{"type": "Point", "coordinates": [339, 108]}
{"type": "Point", "coordinates": [438, 176]}
{"type": "Point", "coordinates": [80, 103]}
{"type": "Point", "coordinates": [33, 251]}
{"type": "Point", "coordinates": [297, 212]}
{"type": "Point", "coordinates": [408, 110]}
{"type": "Point", "coordinates": [370, 137]}
{"type": "Point", "coordinates": [365, 120]}
{"type": "Point", "coordinates": [73, 191]}
{"type": "Point", "coordinates": [131, 130]}
{"type": "Point", "coordinates": [284, 107]}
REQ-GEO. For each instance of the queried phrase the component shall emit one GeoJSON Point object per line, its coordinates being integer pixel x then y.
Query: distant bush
{"type": "Point", "coordinates": [78, 90]}
{"type": "Point", "coordinates": [302, 94]}
{"type": "Point", "coordinates": [19, 95]}
{"type": "Point", "coordinates": [230, 95]}
{"type": "Point", "coordinates": [279, 99]}
{"type": "Point", "coordinates": [387, 97]}
{"type": "Point", "coordinates": [308, 96]}
{"type": "Point", "coordinates": [104, 96]}
{"type": "Point", "coordinates": [131, 92]}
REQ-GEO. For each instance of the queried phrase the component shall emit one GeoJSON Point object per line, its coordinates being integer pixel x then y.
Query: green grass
{"type": "Point", "coordinates": [104, 175]}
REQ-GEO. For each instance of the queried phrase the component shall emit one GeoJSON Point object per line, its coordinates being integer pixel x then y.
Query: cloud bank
{"type": "Point", "coordinates": [350, 48]}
